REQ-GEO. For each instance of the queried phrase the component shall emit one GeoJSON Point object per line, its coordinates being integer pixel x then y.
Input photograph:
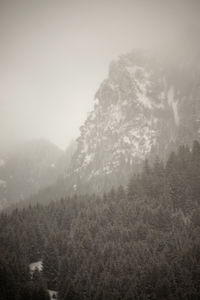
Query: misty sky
{"type": "Point", "coordinates": [55, 54]}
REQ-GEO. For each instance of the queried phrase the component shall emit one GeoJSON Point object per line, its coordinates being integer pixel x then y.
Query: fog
{"type": "Point", "coordinates": [55, 54]}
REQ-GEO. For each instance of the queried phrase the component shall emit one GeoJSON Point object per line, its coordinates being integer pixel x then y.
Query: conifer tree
{"type": "Point", "coordinates": [51, 265]}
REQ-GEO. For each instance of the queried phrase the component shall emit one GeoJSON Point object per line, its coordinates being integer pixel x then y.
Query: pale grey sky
{"type": "Point", "coordinates": [54, 55]}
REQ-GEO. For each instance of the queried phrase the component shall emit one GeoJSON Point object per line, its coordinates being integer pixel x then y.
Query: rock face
{"type": "Point", "coordinates": [147, 106]}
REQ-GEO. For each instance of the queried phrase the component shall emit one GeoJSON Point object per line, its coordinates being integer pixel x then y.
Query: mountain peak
{"type": "Point", "coordinates": [140, 110]}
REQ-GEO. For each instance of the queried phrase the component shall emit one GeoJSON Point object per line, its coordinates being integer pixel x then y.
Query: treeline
{"type": "Point", "coordinates": [139, 242]}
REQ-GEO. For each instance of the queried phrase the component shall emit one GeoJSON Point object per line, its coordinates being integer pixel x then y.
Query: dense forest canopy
{"type": "Point", "coordinates": [136, 242]}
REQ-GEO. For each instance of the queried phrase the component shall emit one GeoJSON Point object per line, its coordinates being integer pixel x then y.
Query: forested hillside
{"type": "Point", "coordinates": [30, 169]}
{"type": "Point", "coordinates": [136, 242]}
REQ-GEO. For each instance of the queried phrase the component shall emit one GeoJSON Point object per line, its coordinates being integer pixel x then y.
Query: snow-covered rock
{"type": "Point", "coordinates": [36, 266]}
{"type": "Point", "coordinates": [53, 294]}
{"type": "Point", "coordinates": [146, 107]}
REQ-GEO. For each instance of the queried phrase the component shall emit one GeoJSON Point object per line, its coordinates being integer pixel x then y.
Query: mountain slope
{"type": "Point", "coordinates": [27, 168]}
{"type": "Point", "coordinates": [146, 107]}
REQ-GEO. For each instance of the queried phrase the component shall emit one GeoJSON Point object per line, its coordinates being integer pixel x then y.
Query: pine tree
{"type": "Point", "coordinates": [8, 286]}
{"type": "Point", "coordinates": [51, 265]}
{"type": "Point", "coordinates": [195, 178]}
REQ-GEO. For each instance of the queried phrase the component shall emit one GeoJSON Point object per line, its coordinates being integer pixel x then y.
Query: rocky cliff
{"type": "Point", "coordinates": [147, 106]}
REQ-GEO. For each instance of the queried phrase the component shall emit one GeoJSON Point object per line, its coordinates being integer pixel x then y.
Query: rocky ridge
{"type": "Point", "coordinates": [147, 106]}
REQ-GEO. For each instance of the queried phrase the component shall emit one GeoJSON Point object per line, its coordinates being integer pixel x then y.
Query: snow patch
{"type": "Point", "coordinates": [144, 100]}
{"type": "Point", "coordinates": [38, 265]}
{"type": "Point", "coordinates": [107, 169]}
{"type": "Point", "coordinates": [170, 95]}
{"type": "Point", "coordinates": [173, 103]}
{"type": "Point", "coordinates": [126, 140]}
{"type": "Point", "coordinates": [120, 151]}
{"type": "Point", "coordinates": [132, 70]}
{"type": "Point", "coordinates": [117, 115]}
{"type": "Point", "coordinates": [53, 294]}
{"type": "Point", "coordinates": [115, 164]}
{"type": "Point", "coordinates": [175, 110]}
{"type": "Point", "coordinates": [113, 86]}
{"type": "Point", "coordinates": [88, 159]}
{"type": "Point", "coordinates": [141, 87]}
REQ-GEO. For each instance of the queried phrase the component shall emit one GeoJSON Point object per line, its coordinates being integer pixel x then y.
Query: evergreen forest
{"type": "Point", "coordinates": [140, 241]}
